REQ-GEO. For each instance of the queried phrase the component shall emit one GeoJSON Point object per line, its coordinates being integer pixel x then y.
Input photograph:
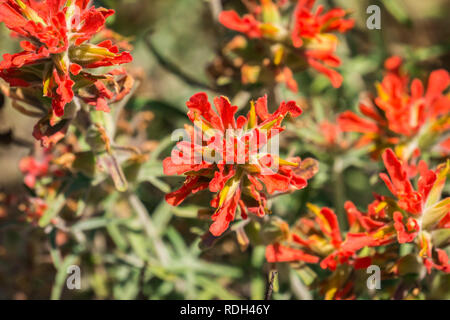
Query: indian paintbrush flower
{"type": "Point", "coordinates": [54, 69]}
{"type": "Point", "coordinates": [411, 215]}
{"type": "Point", "coordinates": [235, 162]}
{"type": "Point", "coordinates": [308, 41]}
{"type": "Point", "coordinates": [410, 118]}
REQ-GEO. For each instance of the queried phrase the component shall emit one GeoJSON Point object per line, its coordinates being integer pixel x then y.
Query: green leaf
{"type": "Point", "coordinates": [189, 211]}
{"type": "Point", "coordinates": [152, 168]}
{"type": "Point", "coordinates": [161, 216]}
{"type": "Point", "coordinates": [257, 288]}
{"type": "Point", "coordinates": [177, 241]}
{"type": "Point", "coordinates": [161, 185]}
{"type": "Point", "coordinates": [434, 214]}
{"type": "Point", "coordinates": [216, 289]}
{"type": "Point", "coordinates": [436, 191]}
{"type": "Point", "coordinates": [139, 245]}
{"type": "Point", "coordinates": [96, 223]}
{"type": "Point", "coordinates": [163, 145]}
{"type": "Point", "coordinates": [441, 237]}
{"type": "Point", "coordinates": [306, 274]}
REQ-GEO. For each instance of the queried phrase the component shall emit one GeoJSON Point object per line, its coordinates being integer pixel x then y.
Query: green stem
{"type": "Point", "coordinates": [149, 228]}
{"type": "Point", "coordinates": [339, 192]}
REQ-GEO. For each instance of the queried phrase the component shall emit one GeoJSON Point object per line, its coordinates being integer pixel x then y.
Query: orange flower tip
{"type": "Point", "coordinates": [218, 228]}
{"type": "Point", "coordinates": [393, 63]}
{"type": "Point", "coordinates": [389, 155]}
{"type": "Point", "coordinates": [75, 69]}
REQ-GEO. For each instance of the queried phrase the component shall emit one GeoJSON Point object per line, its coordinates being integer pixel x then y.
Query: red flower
{"type": "Point", "coordinates": [411, 211]}
{"type": "Point", "coordinates": [311, 36]}
{"type": "Point", "coordinates": [407, 217]}
{"type": "Point", "coordinates": [308, 25]}
{"type": "Point", "coordinates": [332, 136]}
{"type": "Point", "coordinates": [405, 232]}
{"type": "Point", "coordinates": [330, 132]}
{"type": "Point", "coordinates": [399, 114]}
{"type": "Point", "coordinates": [33, 169]}
{"type": "Point", "coordinates": [313, 30]}
{"type": "Point", "coordinates": [322, 237]}
{"type": "Point", "coordinates": [56, 53]}
{"type": "Point", "coordinates": [366, 222]}
{"type": "Point", "coordinates": [227, 156]}
{"type": "Point", "coordinates": [400, 186]}
{"type": "Point", "coordinates": [421, 209]}
{"type": "Point", "coordinates": [35, 209]}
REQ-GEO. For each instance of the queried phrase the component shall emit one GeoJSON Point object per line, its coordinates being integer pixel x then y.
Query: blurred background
{"type": "Point", "coordinates": [176, 45]}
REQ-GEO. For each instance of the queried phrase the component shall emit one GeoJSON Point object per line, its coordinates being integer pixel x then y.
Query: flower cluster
{"type": "Point", "coordinates": [410, 215]}
{"type": "Point", "coordinates": [308, 41]}
{"type": "Point", "coordinates": [52, 73]}
{"type": "Point", "coordinates": [313, 239]}
{"type": "Point", "coordinates": [328, 135]}
{"type": "Point", "coordinates": [34, 168]}
{"type": "Point", "coordinates": [235, 160]}
{"type": "Point", "coordinates": [412, 119]}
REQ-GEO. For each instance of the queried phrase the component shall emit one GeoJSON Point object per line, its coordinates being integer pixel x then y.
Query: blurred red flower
{"type": "Point", "coordinates": [399, 114]}
{"type": "Point", "coordinates": [310, 37]}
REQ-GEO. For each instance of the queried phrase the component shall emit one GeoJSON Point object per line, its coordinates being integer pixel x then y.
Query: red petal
{"type": "Point", "coordinates": [261, 108]}
{"type": "Point", "coordinates": [219, 180]}
{"type": "Point", "coordinates": [425, 183]}
{"type": "Point", "coordinates": [92, 21]}
{"type": "Point", "coordinates": [191, 185]}
{"type": "Point", "coordinates": [393, 63]}
{"type": "Point", "coordinates": [439, 81]}
{"type": "Point", "coordinates": [102, 105]}
{"type": "Point", "coordinates": [226, 112]}
{"type": "Point", "coordinates": [199, 103]}
{"type": "Point", "coordinates": [275, 182]}
{"type": "Point", "coordinates": [247, 25]}
{"type": "Point", "coordinates": [290, 107]}
{"type": "Point", "coordinates": [350, 122]}
{"type": "Point", "coordinates": [224, 215]}
{"type": "Point", "coordinates": [333, 224]}
{"type": "Point", "coordinates": [402, 235]}
{"type": "Point", "coordinates": [397, 173]}
{"type": "Point", "coordinates": [10, 14]}
{"type": "Point", "coordinates": [279, 253]}
{"type": "Point", "coordinates": [75, 69]}
{"type": "Point", "coordinates": [356, 241]}
{"type": "Point", "coordinates": [334, 76]}
{"type": "Point", "coordinates": [362, 263]}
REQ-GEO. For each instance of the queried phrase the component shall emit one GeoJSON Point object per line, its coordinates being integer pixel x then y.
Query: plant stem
{"type": "Point", "coordinates": [273, 273]}
{"type": "Point", "coordinates": [149, 228]}
{"type": "Point", "coordinates": [174, 69]}
{"type": "Point", "coordinates": [339, 192]}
